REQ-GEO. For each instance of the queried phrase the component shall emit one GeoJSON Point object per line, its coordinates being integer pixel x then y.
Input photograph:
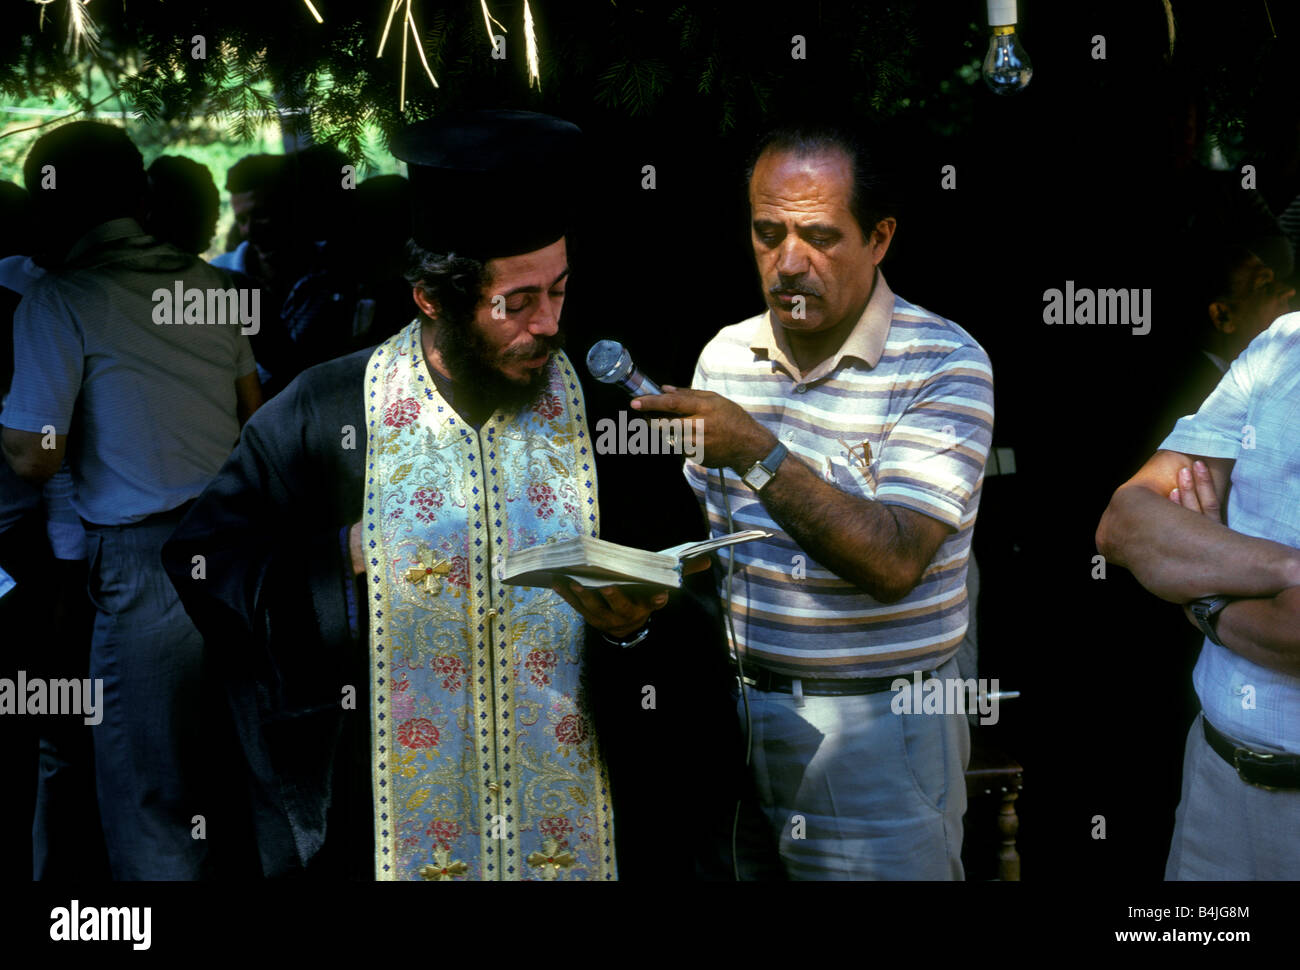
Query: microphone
{"type": "Point", "coordinates": [610, 363]}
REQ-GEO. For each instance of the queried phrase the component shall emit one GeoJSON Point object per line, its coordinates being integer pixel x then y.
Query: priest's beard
{"type": "Point", "coordinates": [475, 365]}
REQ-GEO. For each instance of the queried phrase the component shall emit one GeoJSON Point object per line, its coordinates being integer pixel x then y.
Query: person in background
{"type": "Point", "coordinates": [287, 206]}
{"type": "Point", "coordinates": [46, 617]}
{"type": "Point", "coordinates": [183, 203]}
{"type": "Point", "coordinates": [146, 415]}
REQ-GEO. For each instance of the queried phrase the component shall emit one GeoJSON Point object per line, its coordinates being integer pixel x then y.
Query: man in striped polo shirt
{"type": "Point", "coordinates": [854, 426]}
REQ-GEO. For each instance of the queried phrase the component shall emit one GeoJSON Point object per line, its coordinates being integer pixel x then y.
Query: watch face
{"type": "Point", "coordinates": [1208, 609]}
{"type": "Point", "coordinates": [757, 477]}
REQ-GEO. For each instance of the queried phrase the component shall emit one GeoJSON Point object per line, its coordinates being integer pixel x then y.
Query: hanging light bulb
{"type": "Point", "coordinates": [1006, 65]}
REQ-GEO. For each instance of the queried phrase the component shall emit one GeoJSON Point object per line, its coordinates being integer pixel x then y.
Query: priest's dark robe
{"type": "Point", "coordinates": [261, 565]}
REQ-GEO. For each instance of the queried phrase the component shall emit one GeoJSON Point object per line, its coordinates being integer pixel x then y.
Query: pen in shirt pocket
{"type": "Point", "coordinates": [854, 457]}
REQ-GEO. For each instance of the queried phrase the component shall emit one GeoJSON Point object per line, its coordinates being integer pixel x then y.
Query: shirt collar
{"type": "Point", "coordinates": [105, 232]}
{"type": "Point", "coordinates": [865, 342]}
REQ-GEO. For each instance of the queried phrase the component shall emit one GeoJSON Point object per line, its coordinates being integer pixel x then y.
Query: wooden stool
{"type": "Point", "coordinates": [994, 774]}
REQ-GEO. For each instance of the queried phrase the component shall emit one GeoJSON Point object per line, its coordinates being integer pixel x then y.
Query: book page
{"type": "Point", "coordinates": [688, 550]}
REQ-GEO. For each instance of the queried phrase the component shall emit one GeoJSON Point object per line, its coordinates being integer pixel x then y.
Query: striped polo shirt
{"type": "Point", "coordinates": [901, 414]}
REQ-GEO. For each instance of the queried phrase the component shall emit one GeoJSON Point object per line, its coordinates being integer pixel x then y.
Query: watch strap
{"type": "Point", "coordinates": [768, 463]}
{"type": "Point", "coordinates": [633, 640]}
{"type": "Point", "coordinates": [1206, 611]}
{"type": "Point", "coordinates": [774, 458]}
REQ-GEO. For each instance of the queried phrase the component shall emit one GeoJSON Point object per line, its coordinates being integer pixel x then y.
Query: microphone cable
{"type": "Point", "coordinates": [740, 676]}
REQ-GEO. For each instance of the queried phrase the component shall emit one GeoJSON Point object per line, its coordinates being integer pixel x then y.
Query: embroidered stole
{"type": "Point", "coordinates": [484, 764]}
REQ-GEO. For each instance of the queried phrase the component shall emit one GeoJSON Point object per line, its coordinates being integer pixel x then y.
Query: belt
{"type": "Point", "coordinates": [761, 679]}
{"type": "Point", "coordinates": [1276, 772]}
{"type": "Point", "coordinates": [158, 518]}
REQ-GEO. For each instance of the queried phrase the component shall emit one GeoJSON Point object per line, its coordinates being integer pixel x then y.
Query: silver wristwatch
{"type": "Point", "coordinates": [633, 640]}
{"type": "Point", "coordinates": [762, 471]}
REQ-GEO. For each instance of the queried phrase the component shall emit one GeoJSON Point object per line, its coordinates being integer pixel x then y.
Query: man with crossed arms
{"type": "Point", "coordinates": [1239, 582]}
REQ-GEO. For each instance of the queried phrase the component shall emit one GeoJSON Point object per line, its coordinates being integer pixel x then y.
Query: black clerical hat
{"type": "Point", "coordinates": [489, 184]}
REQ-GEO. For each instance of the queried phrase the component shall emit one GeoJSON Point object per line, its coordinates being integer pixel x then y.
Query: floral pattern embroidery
{"type": "Point", "coordinates": [424, 501]}
{"type": "Point", "coordinates": [459, 575]}
{"type": "Point", "coordinates": [543, 496]}
{"type": "Point", "coordinates": [555, 827]}
{"type": "Point", "coordinates": [403, 705]}
{"type": "Point", "coordinates": [418, 732]}
{"type": "Point", "coordinates": [443, 831]}
{"type": "Point", "coordinates": [572, 729]}
{"type": "Point", "coordinates": [451, 670]}
{"type": "Point", "coordinates": [548, 406]}
{"type": "Point", "coordinates": [401, 413]}
{"type": "Point", "coordinates": [540, 664]}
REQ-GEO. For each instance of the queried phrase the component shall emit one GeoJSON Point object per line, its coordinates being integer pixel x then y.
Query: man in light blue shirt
{"type": "Point", "coordinates": [1239, 582]}
{"type": "Point", "coordinates": [147, 406]}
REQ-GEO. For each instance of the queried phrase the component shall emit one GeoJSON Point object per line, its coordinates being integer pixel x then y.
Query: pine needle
{"type": "Point", "coordinates": [81, 28]}
{"type": "Point", "coordinates": [488, 21]}
{"type": "Point", "coordinates": [530, 39]}
{"type": "Point", "coordinates": [40, 24]}
{"type": "Point", "coordinates": [419, 46]}
{"type": "Point", "coordinates": [401, 98]}
{"type": "Point", "coordinates": [384, 40]}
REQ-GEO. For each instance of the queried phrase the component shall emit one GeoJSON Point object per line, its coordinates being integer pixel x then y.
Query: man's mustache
{"type": "Point", "coordinates": [546, 345]}
{"type": "Point", "coordinates": [792, 291]}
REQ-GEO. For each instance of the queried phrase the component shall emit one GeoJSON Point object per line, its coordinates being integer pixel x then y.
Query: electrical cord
{"type": "Point", "coordinates": [740, 673]}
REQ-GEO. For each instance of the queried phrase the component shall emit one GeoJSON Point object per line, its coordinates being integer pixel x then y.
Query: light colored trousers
{"type": "Point", "coordinates": [1227, 828]}
{"type": "Point", "coordinates": [854, 791]}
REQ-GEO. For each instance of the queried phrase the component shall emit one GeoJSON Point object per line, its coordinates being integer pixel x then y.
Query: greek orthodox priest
{"type": "Point", "coordinates": [344, 565]}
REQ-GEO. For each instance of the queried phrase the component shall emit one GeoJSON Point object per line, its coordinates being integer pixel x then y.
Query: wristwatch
{"type": "Point", "coordinates": [1206, 612]}
{"type": "Point", "coordinates": [762, 471]}
{"type": "Point", "coordinates": [633, 640]}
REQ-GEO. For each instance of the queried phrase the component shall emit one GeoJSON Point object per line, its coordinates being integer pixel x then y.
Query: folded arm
{"type": "Point", "coordinates": [1180, 554]}
{"type": "Point", "coordinates": [1265, 631]}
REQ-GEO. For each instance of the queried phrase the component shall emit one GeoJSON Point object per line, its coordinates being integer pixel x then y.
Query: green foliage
{"type": "Point", "coordinates": [629, 60]}
{"type": "Point", "coordinates": [720, 66]}
{"type": "Point", "coordinates": [634, 86]}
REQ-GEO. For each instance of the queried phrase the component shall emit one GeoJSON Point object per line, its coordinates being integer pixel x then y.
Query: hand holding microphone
{"type": "Point", "coordinates": [610, 363]}
{"type": "Point", "coordinates": [730, 436]}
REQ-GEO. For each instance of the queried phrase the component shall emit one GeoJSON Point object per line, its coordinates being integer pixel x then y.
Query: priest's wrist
{"type": "Point", "coordinates": [354, 548]}
{"type": "Point", "coordinates": [632, 639]}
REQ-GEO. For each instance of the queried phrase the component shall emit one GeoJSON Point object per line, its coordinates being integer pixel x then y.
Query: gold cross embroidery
{"type": "Point", "coordinates": [429, 573]}
{"type": "Point", "coordinates": [443, 867]}
{"type": "Point", "coordinates": [552, 859]}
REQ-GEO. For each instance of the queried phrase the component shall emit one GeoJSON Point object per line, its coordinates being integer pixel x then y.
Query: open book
{"type": "Point", "coordinates": [595, 562]}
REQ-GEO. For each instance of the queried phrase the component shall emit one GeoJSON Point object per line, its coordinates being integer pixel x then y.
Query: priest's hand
{"type": "Point", "coordinates": [354, 547]}
{"type": "Point", "coordinates": [615, 611]}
